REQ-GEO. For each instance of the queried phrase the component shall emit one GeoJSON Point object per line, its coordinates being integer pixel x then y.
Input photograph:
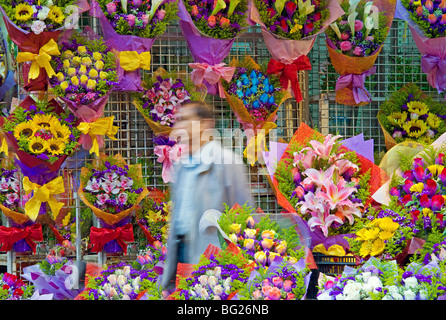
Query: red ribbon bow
{"type": "Point", "coordinates": [289, 73]}
{"type": "Point", "coordinates": [9, 236]}
{"type": "Point", "coordinates": [99, 237]}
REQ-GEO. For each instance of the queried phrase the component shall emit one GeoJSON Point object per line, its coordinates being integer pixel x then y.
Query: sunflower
{"type": "Point", "coordinates": [397, 118]}
{"type": "Point", "coordinates": [56, 15]}
{"type": "Point", "coordinates": [45, 120]}
{"type": "Point", "coordinates": [25, 129]}
{"type": "Point", "coordinates": [418, 107]}
{"type": "Point", "coordinates": [415, 128]}
{"type": "Point", "coordinates": [37, 145]}
{"type": "Point", "coordinates": [55, 147]}
{"type": "Point", "coordinates": [62, 132]}
{"type": "Point", "coordinates": [23, 12]}
{"type": "Point", "coordinates": [433, 121]}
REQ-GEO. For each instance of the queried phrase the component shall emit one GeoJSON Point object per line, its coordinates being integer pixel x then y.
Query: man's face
{"type": "Point", "coordinates": [189, 126]}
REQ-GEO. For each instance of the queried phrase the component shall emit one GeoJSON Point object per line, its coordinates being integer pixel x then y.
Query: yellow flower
{"type": "Point", "coordinates": [37, 145]}
{"type": "Point", "coordinates": [435, 169]}
{"type": "Point", "coordinates": [93, 74]}
{"type": "Point", "coordinates": [84, 79]}
{"type": "Point", "coordinates": [82, 50]}
{"type": "Point", "coordinates": [371, 234]}
{"type": "Point", "coordinates": [68, 54]}
{"type": "Point", "coordinates": [417, 187]}
{"type": "Point", "coordinates": [235, 228]}
{"type": "Point", "coordinates": [66, 64]}
{"type": "Point", "coordinates": [25, 129]}
{"type": "Point", "coordinates": [360, 235]}
{"type": "Point", "coordinates": [45, 120]}
{"type": "Point", "coordinates": [74, 81]}
{"type": "Point", "coordinates": [23, 12]}
{"type": "Point", "coordinates": [61, 131]}
{"type": "Point", "coordinates": [385, 235]}
{"type": "Point", "coordinates": [292, 260]}
{"type": "Point", "coordinates": [97, 56]}
{"type": "Point", "coordinates": [86, 61]}
{"type": "Point", "coordinates": [71, 72]}
{"type": "Point", "coordinates": [433, 121]}
{"type": "Point", "coordinates": [268, 234]}
{"type": "Point", "coordinates": [66, 220]}
{"type": "Point", "coordinates": [77, 60]}
{"type": "Point", "coordinates": [426, 212]}
{"type": "Point", "coordinates": [365, 249]}
{"type": "Point", "coordinates": [83, 69]}
{"type": "Point", "coordinates": [397, 118]}
{"type": "Point", "coordinates": [91, 84]}
{"type": "Point", "coordinates": [103, 75]}
{"type": "Point", "coordinates": [56, 15]}
{"type": "Point", "coordinates": [415, 128]}
{"type": "Point", "coordinates": [377, 247]}
{"type": "Point", "coordinates": [64, 85]}
{"type": "Point", "coordinates": [55, 146]}
{"type": "Point", "coordinates": [60, 77]}
{"type": "Point", "coordinates": [387, 224]}
{"type": "Point", "coordinates": [418, 107]}
{"type": "Point", "coordinates": [296, 27]}
{"type": "Point", "coordinates": [99, 65]}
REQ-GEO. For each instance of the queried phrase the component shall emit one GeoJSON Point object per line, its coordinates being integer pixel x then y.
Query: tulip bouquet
{"type": "Point", "coordinates": [163, 95]}
{"type": "Point", "coordinates": [289, 29]}
{"type": "Point", "coordinates": [152, 258]}
{"type": "Point", "coordinates": [131, 28]}
{"type": "Point", "coordinates": [112, 189]}
{"type": "Point", "coordinates": [409, 114]}
{"type": "Point", "coordinates": [427, 23]}
{"type": "Point", "coordinates": [13, 288]}
{"type": "Point", "coordinates": [254, 97]}
{"type": "Point", "coordinates": [354, 42]}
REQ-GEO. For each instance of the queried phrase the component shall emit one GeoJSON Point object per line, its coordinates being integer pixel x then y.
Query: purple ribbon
{"type": "Point", "coordinates": [435, 68]}
{"type": "Point", "coordinates": [359, 92]}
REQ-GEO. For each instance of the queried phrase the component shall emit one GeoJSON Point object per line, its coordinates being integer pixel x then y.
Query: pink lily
{"type": "Point", "coordinates": [304, 159]}
{"type": "Point", "coordinates": [336, 194]}
{"type": "Point", "coordinates": [311, 203]}
{"type": "Point", "coordinates": [323, 220]}
{"type": "Point", "coordinates": [324, 149]}
{"type": "Point", "coordinates": [318, 177]}
{"type": "Point", "coordinates": [93, 185]}
{"type": "Point", "coordinates": [350, 210]}
{"type": "Point", "coordinates": [158, 109]}
{"type": "Point", "coordinates": [345, 165]}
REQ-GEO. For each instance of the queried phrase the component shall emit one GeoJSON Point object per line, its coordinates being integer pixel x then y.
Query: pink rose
{"type": "Point", "coordinates": [145, 20]}
{"type": "Point", "coordinates": [160, 14]}
{"type": "Point", "coordinates": [369, 38]}
{"type": "Point", "coordinates": [212, 21]}
{"type": "Point", "coordinates": [131, 20]}
{"type": "Point", "coordinates": [111, 7]}
{"type": "Point", "coordinates": [278, 282]}
{"type": "Point", "coordinates": [274, 294]}
{"type": "Point", "coordinates": [137, 3]}
{"type": "Point", "coordinates": [290, 296]}
{"type": "Point", "coordinates": [287, 285]}
{"type": "Point", "coordinates": [257, 294]}
{"type": "Point", "coordinates": [344, 36]}
{"type": "Point", "coordinates": [266, 290]}
{"type": "Point", "coordinates": [358, 25]}
{"type": "Point", "coordinates": [194, 11]}
{"type": "Point", "coordinates": [346, 45]}
{"type": "Point", "coordinates": [357, 51]}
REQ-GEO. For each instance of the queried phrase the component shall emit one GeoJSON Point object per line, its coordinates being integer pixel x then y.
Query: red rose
{"type": "Point", "coordinates": [290, 8]}
{"type": "Point", "coordinates": [18, 292]}
{"type": "Point", "coordinates": [317, 16]}
{"type": "Point", "coordinates": [272, 12]}
{"type": "Point", "coordinates": [5, 287]}
{"type": "Point", "coordinates": [284, 25]}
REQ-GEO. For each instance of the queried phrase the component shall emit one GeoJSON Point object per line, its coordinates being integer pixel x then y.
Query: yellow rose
{"type": "Point", "coordinates": [60, 77]}
{"type": "Point", "coordinates": [93, 74]}
{"type": "Point", "coordinates": [64, 85]}
{"type": "Point", "coordinates": [260, 257]}
{"type": "Point", "coordinates": [235, 228]}
{"type": "Point", "coordinates": [248, 244]}
{"type": "Point", "coordinates": [68, 54]}
{"type": "Point", "coordinates": [268, 234]}
{"type": "Point", "coordinates": [272, 256]}
{"type": "Point", "coordinates": [74, 81]}
{"type": "Point", "coordinates": [83, 69]}
{"type": "Point", "coordinates": [233, 238]}
{"type": "Point", "coordinates": [99, 65]}
{"type": "Point", "coordinates": [82, 50]}
{"type": "Point", "coordinates": [66, 64]}
{"type": "Point", "coordinates": [84, 79]}
{"type": "Point", "coordinates": [86, 61]}
{"type": "Point", "coordinates": [71, 72]}
{"type": "Point", "coordinates": [250, 233]}
{"type": "Point", "coordinates": [267, 243]}
{"type": "Point", "coordinates": [292, 260]}
{"type": "Point", "coordinates": [77, 60]}
{"type": "Point", "coordinates": [281, 247]}
{"type": "Point", "coordinates": [103, 75]}
{"type": "Point", "coordinates": [91, 84]}
{"type": "Point", "coordinates": [97, 56]}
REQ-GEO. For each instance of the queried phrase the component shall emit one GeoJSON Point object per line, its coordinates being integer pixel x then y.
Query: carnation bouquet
{"type": "Point", "coordinates": [162, 96]}
{"type": "Point", "coordinates": [324, 185]}
{"type": "Point", "coordinates": [409, 114]}
{"type": "Point", "coordinates": [289, 29]}
{"type": "Point", "coordinates": [427, 23]}
{"type": "Point", "coordinates": [210, 28]}
{"type": "Point", "coordinates": [85, 73]}
{"type": "Point", "coordinates": [354, 42]}
{"type": "Point", "coordinates": [34, 26]}
{"type": "Point", "coordinates": [13, 288]}
{"type": "Point", "coordinates": [112, 189]}
{"type": "Point", "coordinates": [131, 28]}
{"type": "Point", "coordinates": [254, 97]}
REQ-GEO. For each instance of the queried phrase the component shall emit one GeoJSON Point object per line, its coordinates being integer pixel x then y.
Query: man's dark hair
{"type": "Point", "coordinates": [202, 110]}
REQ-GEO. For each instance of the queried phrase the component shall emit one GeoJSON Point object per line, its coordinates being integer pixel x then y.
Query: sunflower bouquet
{"type": "Point", "coordinates": [410, 114]}
{"type": "Point", "coordinates": [131, 28]}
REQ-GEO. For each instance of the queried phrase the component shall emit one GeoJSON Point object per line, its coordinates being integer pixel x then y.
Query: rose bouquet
{"type": "Point", "coordinates": [210, 28]}
{"type": "Point", "coordinates": [409, 114]}
{"type": "Point", "coordinates": [112, 189]}
{"type": "Point", "coordinates": [354, 42]}
{"type": "Point", "coordinates": [162, 96]}
{"type": "Point", "coordinates": [34, 26]}
{"type": "Point", "coordinates": [427, 23]}
{"type": "Point", "coordinates": [255, 98]}
{"type": "Point", "coordinates": [289, 29]}
{"type": "Point", "coordinates": [325, 186]}
{"type": "Point", "coordinates": [13, 288]}
{"type": "Point", "coordinates": [131, 29]}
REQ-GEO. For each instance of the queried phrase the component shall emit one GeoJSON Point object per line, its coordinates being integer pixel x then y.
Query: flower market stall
{"type": "Point", "coordinates": [337, 108]}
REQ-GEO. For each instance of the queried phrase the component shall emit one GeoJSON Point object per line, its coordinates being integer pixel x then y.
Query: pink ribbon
{"type": "Point", "coordinates": [359, 92]}
{"type": "Point", "coordinates": [212, 74]}
{"type": "Point", "coordinates": [167, 155]}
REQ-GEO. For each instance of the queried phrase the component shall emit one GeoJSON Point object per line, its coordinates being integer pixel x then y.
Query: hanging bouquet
{"type": "Point", "coordinates": [409, 114]}
{"type": "Point", "coordinates": [289, 29]}
{"type": "Point", "coordinates": [13, 288]}
{"type": "Point", "coordinates": [131, 28]}
{"type": "Point", "coordinates": [427, 23]}
{"type": "Point", "coordinates": [162, 96]}
{"type": "Point", "coordinates": [85, 73]}
{"type": "Point", "coordinates": [168, 151]}
{"type": "Point", "coordinates": [34, 26]}
{"type": "Point", "coordinates": [325, 186]}
{"type": "Point", "coordinates": [280, 281]}
{"type": "Point", "coordinates": [255, 98]}
{"type": "Point", "coordinates": [354, 42]}
{"type": "Point", "coordinates": [112, 189]}
{"type": "Point", "coordinates": [210, 28]}
{"type": "Point", "coordinates": [7, 81]}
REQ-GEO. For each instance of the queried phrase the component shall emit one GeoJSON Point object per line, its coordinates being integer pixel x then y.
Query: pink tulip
{"type": "Point", "coordinates": [141, 260]}
{"type": "Point", "coordinates": [443, 19]}
{"type": "Point", "coordinates": [145, 21]}
{"type": "Point", "coordinates": [432, 18]}
{"type": "Point", "coordinates": [212, 21]}
{"type": "Point", "coordinates": [429, 5]}
{"type": "Point", "coordinates": [290, 296]}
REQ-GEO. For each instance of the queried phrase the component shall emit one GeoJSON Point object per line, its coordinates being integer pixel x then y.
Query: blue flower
{"type": "Point", "coordinates": [253, 74]}
{"type": "Point", "coordinates": [245, 102]}
{"type": "Point", "coordinates": [266, 82]}
{"type": "Point", "coordinates": [271, 100]}
{"type": "Point", "coordinates": [254, 89]}
{"type": "Point", "coordinates": [239, 83]}
{"type": "Point", "coordinates": [256, 104]}
{"type": "Point", "coordinates": [240, 93]}
{"type": "Point", "coordinates": [255, 81]}
{"type": "Point", "coordinates": [248, 92]}
{"type": "Point", "coordinates": [244, 76]}
{"type": "Point", "coordinates": [245, 81]}
{"type": "Point", "coordinates": [264, 98]}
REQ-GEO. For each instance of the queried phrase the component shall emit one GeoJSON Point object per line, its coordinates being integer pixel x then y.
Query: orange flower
{"type": "Point", "coordinates": [420, 11]}
{"type": "Point", "coordinates": [224, 23]}
{"type": "Point", "coordinates": [212, 21]}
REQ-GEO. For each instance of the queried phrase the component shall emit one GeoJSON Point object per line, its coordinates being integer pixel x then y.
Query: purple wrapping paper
{"type": "Point", "coordinates": [21, 246]}
{"type": "Point", "coordinates": [360, 146]}
{"type": "Point", "coordinates": [272, 157]}
{"type": "Point", "coordinates": [128, 81]}
{"type": "Point", "coordinates": [113, 246]}
{"type": "Point", "coordinates": [203, 48]}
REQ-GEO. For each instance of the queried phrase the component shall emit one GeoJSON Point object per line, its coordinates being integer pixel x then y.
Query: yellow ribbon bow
{"type": "Point", "coordinates": [334, 250]}
{"type": "Point", "coordinates": [257, 143]}
{"type": "Point", "coordinates": [43, 194]}
{"type": "Point", "coordinates": [132, 60]}
{"type": "Point", "coordinates": [40, 60]}
{"type": "Point", "coordinates": [103, 126]}
{"type": "Point", "coordinates": [3, 145]}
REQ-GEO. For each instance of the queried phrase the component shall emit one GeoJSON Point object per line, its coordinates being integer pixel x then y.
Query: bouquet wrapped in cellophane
{"type": "Point", "coordinates": [112, 189]}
